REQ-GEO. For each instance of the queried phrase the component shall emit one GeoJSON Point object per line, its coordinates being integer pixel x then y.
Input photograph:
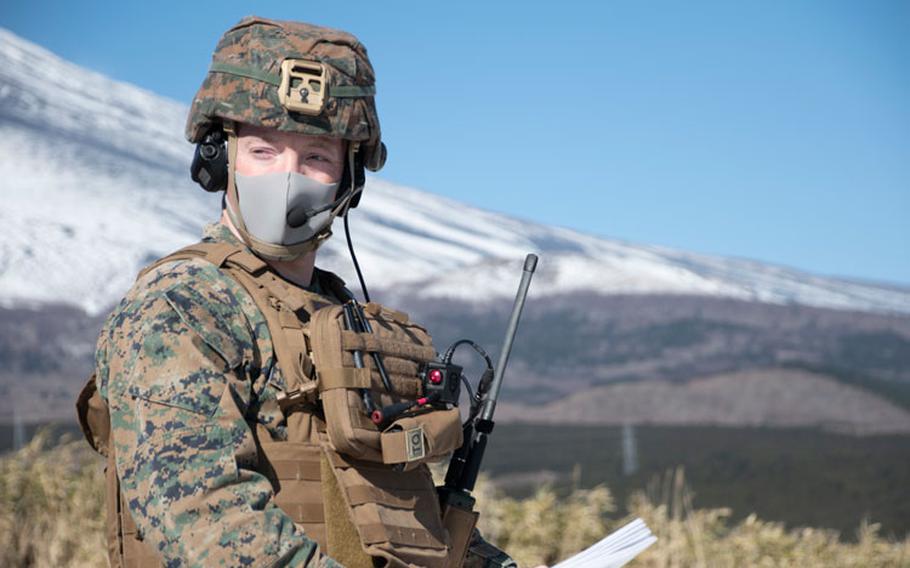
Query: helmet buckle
{"type": "Point", "coordinates": [303, 86]}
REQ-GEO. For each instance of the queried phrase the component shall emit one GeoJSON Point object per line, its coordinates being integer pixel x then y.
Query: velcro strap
{"type": "Point", "coordinates": [247, 261]}
{"type": "Point", "coordinates": [375, 533]}
{"type": "Point", "coordinates": [213, 252]}
{"type": "Point", "coordinates": [342, 91]}
{"type": "Point", "coordinates": [289, 320]}
{"type": "Point", "coordinates": [351, 91]}
{"type": "Point", "coordinates": [296, 469]}
{"type": "Point", "coordinates": [396, 447]}
{"type": "Point", "coordinates": [378, 474]}
{"type": "Point", "coordinates": [360, 494]}
{"type": "Point", "coordinates": [353, 341]}
{"type": "Point", "coordinates": [343, 378]}
{"type": "Point", "coordinates": [245, 71]}
{"type": "Point", "coordinates": [375, 309]}
{"type": "Point", "coordinates": [303, 512]}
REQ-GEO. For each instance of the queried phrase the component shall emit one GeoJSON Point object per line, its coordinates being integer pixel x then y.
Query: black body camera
{"type": "Point", "coordinates": [442, 382]}
{"type": "Point", "coordinates": [210, 162]}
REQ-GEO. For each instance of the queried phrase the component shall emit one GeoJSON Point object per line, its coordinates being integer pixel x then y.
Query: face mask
{"type": "Point", "coordinates": [285, 208]}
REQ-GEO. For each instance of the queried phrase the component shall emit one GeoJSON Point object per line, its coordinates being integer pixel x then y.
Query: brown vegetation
{"type": "Point", "coordinates": [51, 514]}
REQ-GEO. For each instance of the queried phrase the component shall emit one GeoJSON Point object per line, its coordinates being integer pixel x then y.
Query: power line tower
{"type": "Point", "coordinates": [18, 429]}
{"type": "Point", "coordinates": [629, 450]}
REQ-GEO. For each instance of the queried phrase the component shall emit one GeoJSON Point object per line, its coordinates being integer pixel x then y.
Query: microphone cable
{"type": "Point", "coordinates": [347, 235]}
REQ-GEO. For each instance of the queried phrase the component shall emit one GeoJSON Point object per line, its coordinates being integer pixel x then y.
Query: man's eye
{"type": "Point", "coordinates": [262, 152]}
{"type": "Point", "coordinates": [319, 158]}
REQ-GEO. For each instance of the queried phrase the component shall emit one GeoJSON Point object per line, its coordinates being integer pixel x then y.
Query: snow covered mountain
{"type": "Point", "coordinates": [95, 184]}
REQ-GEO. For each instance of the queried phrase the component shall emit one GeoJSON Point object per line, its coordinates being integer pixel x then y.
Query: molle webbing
{"type": "Point", "coordinates": [351, 341]}
{"type": "Point", "coordinates": [294, 468]}
{"type": "Point", "coordinates": [382, 503]}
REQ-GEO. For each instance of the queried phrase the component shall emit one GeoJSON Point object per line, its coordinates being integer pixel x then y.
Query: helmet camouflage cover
{"type": "Point", "coordinates": [294, 77]}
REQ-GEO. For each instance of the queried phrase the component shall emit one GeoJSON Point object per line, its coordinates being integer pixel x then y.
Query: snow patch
{"type": "Point", "coordinates": [96, 185]}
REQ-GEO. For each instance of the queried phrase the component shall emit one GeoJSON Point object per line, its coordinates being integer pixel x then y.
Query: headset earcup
{"type": "Point", "coordinates": [376, 158]}
{"type": "Point", "coordinates": [210, 162]}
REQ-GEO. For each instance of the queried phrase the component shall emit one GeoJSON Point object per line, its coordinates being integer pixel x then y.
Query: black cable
{"type": "Point", "coordinates": [467, 385]}
{"type": "Point", "coordinates": [473, 403]}
{"type": "Point", "coordinates": [450, 352]}
{"type": "Point", "coordinates": [475, 398]}
{"type": "Point", "coordinates": [347, 235]}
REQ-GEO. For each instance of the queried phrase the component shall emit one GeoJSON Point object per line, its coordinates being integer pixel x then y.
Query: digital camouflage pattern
{"type": "Point", "coordinates": [182, 363]}
{"type": "Point", "coordinates": [186, 365]}
{"type": "Point", "coordinates": [261, 45]}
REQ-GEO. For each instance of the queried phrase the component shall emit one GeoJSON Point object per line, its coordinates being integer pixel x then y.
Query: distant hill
{"type": "Point", "coordinates": [96, 185]}
{"type": "Point", "coordinates": [782, 397]}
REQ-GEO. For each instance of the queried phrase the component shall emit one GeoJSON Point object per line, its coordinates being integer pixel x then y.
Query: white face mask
{"type": "Point", "coordinates": [285, 208]}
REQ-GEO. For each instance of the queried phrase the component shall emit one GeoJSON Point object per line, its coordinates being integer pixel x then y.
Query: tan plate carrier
{"type": "Point", "coordinates": [348, 486]}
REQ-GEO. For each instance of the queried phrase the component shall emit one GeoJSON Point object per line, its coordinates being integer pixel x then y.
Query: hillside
{"type": "Point", "coordinates": [96, 186]}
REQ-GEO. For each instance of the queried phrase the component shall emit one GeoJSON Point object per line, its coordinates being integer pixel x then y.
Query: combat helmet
{"type": "Point", "coordinates": [293, 77]}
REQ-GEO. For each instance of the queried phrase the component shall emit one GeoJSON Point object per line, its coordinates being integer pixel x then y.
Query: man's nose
{"type": "Point", "coordinates": [292, 161]}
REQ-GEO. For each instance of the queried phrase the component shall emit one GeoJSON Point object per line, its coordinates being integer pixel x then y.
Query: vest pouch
{"type": "Point", "coordinates": [94, 417]}
{"type": "Point", "coordinates": [410, 439]}
{"type": "Point", "coordinates": [404, 347]}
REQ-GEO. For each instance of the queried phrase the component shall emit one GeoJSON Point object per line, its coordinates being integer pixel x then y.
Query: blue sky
{"type": "Point", "coordinates": [775, 130]}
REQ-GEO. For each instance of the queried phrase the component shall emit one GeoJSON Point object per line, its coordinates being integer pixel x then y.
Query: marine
{"type": "Point", "coordinates": [227, 390]}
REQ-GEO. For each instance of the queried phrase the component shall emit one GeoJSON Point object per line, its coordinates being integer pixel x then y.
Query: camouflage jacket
{"type": "Point", "coordinates": [184, 364]}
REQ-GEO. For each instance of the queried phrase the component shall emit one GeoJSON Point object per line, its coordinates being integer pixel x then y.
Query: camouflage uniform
{"type": "Point", "coordinates": [186, 363]}
{"type": "Point", "coordinates": [186, 366]}
{"type": "Point", "coordinates": [182, 405]}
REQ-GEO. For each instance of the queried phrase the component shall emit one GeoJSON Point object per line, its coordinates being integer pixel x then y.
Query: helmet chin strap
{"type": "Point", "coordinates": [270, 251]}
{"type": "Point", "coordinates": [353, 190]}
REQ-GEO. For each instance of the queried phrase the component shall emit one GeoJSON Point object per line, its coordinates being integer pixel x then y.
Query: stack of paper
{"type": "Point", "coordinates": [615, 550]}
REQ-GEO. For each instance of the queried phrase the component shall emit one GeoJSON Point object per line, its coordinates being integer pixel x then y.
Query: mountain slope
{"type": "Point", "coordinates": [96, 181]}
{"type": "Point", "coordinates": [95, 184]}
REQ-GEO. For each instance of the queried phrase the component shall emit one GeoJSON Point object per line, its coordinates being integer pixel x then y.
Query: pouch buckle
{"type": "Point", "coordinates": [304, 394]}
{"type": "Point", "coordinates": [303, 86]}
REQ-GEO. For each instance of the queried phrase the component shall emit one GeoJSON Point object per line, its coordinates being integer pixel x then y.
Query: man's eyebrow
{"type": "Point", "coordinates": [324, 143]}
{"type": "Point", "coordinates": [258, 136]}
{"type": "Point", "coordinates": [278, 138]}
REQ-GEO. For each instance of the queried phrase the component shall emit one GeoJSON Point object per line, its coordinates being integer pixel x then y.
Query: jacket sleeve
{"type": "Point", "coordinates": [178, 389]}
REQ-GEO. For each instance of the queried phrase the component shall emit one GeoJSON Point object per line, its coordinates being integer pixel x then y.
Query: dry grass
{"type": "Point", "coordinates": [543, 530]}
{"type": "Point", "coordinates": [51, 514]}
{"type": "Point", "coordinates": [704, 537]}
{"type": "Point", "coordinates": [52, 505]}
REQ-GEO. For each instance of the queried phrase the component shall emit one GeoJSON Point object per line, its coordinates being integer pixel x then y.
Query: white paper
{"type": "Point", "coordinates": [614, 550]}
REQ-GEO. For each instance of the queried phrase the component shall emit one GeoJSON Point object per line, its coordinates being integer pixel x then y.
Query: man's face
{"type": "Point", "coordinates": [266, 151]}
